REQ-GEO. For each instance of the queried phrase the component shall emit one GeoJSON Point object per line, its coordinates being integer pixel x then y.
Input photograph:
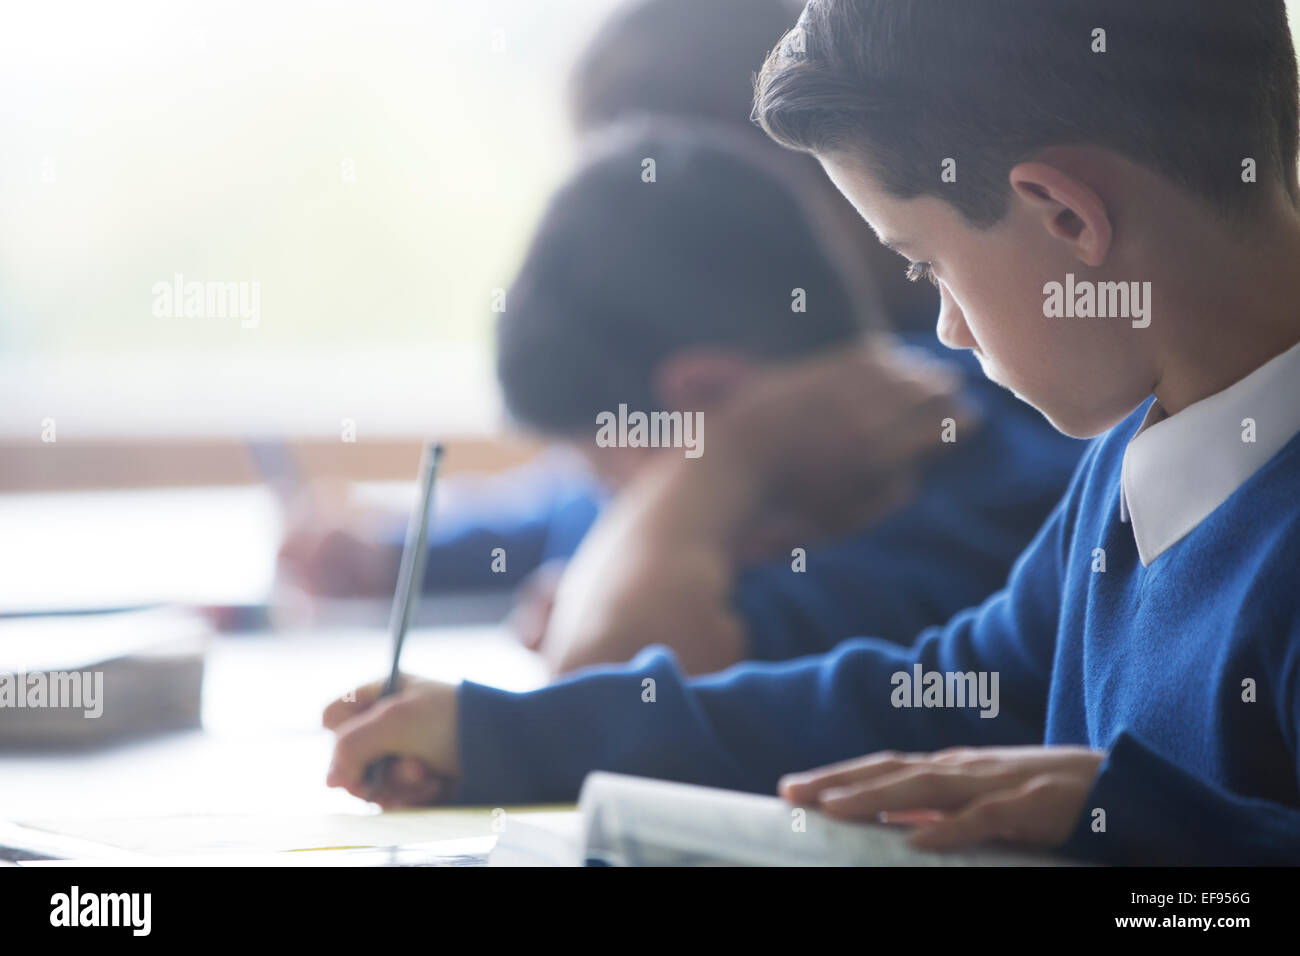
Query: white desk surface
{"type": "Point", "coordinates": [261, 748]}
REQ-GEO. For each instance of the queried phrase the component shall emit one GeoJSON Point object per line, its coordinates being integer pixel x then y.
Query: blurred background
{"type": "Point", "coordinates": [371, 169]}
{"type": "Point", "coordinates": [374, 166]}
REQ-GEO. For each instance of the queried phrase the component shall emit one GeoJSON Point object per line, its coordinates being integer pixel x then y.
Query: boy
{"type": "Point", "coordinates": [539, 513]}
{"type": "Point", "coordinates": [1147, 643]}
{"type": "Point", "coordinates": [676, 296]}
{"type": "Point", "coordinates": [687, 59]}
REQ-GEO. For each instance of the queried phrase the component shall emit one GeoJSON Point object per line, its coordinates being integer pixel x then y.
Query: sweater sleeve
{"type": "Point", "coordinates": [1157, 812]}
{"type": "Point", "coordinates": [532, 515]}
{"type": "Point", "coordinates": [744, 728]}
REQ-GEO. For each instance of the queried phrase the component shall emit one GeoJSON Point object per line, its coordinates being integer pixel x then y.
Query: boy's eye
{"type": "Point", "coordinates": [921, 270]}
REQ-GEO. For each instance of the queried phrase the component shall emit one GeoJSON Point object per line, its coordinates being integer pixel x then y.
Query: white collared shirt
{"type": "Point", "coordinates": [1179, 468]}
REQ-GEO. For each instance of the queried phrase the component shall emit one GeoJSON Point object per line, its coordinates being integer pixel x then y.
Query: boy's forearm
{"type": "Point", "coordinates": [704, 503]}
{"type": "Point", "coordinates": [746, 727]}
{"type": "Point", "coordinates": [741, 729]}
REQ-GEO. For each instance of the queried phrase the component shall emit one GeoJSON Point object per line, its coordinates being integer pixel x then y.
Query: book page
{"type": "Point", "coordinates": [639, 822]}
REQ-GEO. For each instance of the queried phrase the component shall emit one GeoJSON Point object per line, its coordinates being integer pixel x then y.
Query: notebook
{"type": "Point", "coordinates": [634, 821]}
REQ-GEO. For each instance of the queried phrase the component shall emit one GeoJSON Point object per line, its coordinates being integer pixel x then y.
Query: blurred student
{"type": "Point", "coordinates": [1131, 694]}
{"type": "Point", "coordinates": [696, 60]}
{"type": "Point", "coordinates": [704, 294]}
{"type": "Point", "coordinates": [539, 513]}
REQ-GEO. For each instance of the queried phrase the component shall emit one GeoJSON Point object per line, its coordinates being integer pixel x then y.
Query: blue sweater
{"type": "Point", "coordinates": [1146, 664]}
{"type": "Point", "coordinates": [538, 512]}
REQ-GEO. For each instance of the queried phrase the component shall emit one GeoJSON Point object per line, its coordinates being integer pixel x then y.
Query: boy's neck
{"type": "Point", "coordinates": [1235, 305]}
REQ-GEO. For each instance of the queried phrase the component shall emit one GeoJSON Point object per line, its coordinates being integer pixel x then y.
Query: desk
{"type": "Point", "coordinates": [261, 748]}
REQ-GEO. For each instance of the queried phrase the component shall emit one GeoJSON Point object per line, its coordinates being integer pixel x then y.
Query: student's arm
{"type": "Point", "coordinates": [799, 453]}
{"type": "Point", "coordinates": [1158, 812]}
{"type": "Point", "coordinates": [535, 513]}
{"type": "Point", "coordinates": [741, 729]}
{"type": "Point", "coordinates": [748, 726]}
{"type": "Point", "coordinates": [1128, 805]}
{"type": "Point", "coordinates": [463, 554]}
{"type": "Point", "coordinates": [745, 728]}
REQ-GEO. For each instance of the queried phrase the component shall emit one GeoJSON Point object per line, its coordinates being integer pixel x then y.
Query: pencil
{"type": "Point", "coordinates": [406, 599]}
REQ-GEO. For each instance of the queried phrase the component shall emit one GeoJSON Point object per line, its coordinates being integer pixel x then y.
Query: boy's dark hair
{"type": "Point", "coordinates": [696, 59]}
{"type": "Point", "coordinates": [677, 58]}
{"type": "Point", "coordinates": [621, 274]}
{"type": "Point", "coordinates": [1187, 88]}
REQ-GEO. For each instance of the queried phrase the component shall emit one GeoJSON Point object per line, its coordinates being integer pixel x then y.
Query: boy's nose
{"type": "Point", "coordinates": [952, 330]}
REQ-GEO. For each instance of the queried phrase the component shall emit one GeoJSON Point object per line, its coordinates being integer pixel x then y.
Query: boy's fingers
{"type": "Point", "coordinates": [901, 371]}
{"type": "Point", "coordinates": [409, 772]}
{"type": "Point", "coordinates": [918, 428]}
{"type": "Point", "coordinates": [882, 763]}
{"type": "Point", "coordinates": [409, 782]}
{"type": "Point", "coordinates": [335, 565]}
{"type": "Point", "coordinates": [914, 788]}
{"type": "Point", "coordinates": [337, 711]}
{"type": "Point", "coordinates": [374, 733]}
{"type": "Point", "coordinates": [293, 548]}
{"type": "Point", "coordinates": [310, 557]}
{"type": "Point", "coordinates": [900, 435]}
{"type": "Point", "coordinates": [394, 795]}
{"type": "Point", "coordinates": [808, 784]}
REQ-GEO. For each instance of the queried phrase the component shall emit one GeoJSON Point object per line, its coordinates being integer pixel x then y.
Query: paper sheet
{"type": "Point", "coordinates": [247, 833]}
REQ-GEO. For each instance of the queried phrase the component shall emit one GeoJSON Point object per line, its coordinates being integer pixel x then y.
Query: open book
{"type": "Point", "coordinates": [633, 821]}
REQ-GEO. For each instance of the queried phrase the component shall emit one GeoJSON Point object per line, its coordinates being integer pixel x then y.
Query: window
{"type": "Point", "coordinates": [358, 176]}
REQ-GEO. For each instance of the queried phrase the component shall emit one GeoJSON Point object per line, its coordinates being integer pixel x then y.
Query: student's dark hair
{"type": "Point", "coordinates": [1187, 88]}
{"type": "Point", "coordinates": [692, 58]}
{"type": "Point", "coordinates": [623, 273]}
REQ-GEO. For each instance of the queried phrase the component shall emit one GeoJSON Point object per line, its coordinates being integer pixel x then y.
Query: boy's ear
{"type": "Point", "coordinates": [696, 379]}
{"type": "Point", "coordinates": [1069, 209]}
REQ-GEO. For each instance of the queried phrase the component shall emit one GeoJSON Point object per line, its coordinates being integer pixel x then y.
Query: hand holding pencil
{"type": "Point", "coordinates": [383, 733]}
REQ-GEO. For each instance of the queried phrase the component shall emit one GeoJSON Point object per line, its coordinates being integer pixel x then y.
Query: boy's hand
{"type": "Point", "coordinates": [337, 562]}
{"type": "Point", "coordinates": [805, 451]}
{"type": "Point", "coordinates": [837, 441]}
{"type": "Point", "coordinates": [334, 546]}
{"type": "Point", "coordinates": [417, 725]}
{"type": "Point", "coordinates": [1025, 795]}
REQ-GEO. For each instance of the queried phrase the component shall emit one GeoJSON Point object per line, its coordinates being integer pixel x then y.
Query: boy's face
{"type": "Point", "coordinates": [1085, 375]}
